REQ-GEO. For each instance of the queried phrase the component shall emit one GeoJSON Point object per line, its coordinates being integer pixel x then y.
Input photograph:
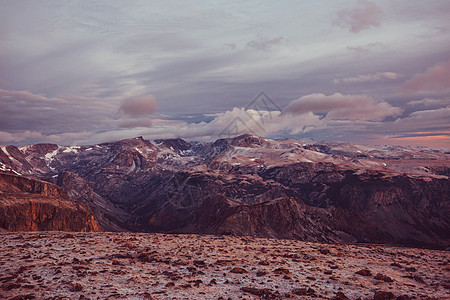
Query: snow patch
{"type": "Point", "coordinates": [24, 149]}
{"type": "Point", "coordinates": [49, 157]}
{"type": "Point", "coordinates": [5, 151]}
{"type": "Point", "coordinates": [73, 149]}
{"type": "Point", "coordinates": [4, 168]}
{"type": "Point", "coordinates": [186, 152]}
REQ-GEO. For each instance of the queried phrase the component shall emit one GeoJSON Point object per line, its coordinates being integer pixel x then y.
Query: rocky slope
{"type": "Point", "coordinates": [248, 185]}
{"type": "Point", "coordinates": [55, 265]}
{"type": "Point", "coordinates": [33, 205]}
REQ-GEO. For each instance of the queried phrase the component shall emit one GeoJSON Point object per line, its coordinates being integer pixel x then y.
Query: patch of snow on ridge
{"type": "Point", "coordinates": [4, 168]}
{"type": "Point", "coordinates": [73, 149]}
{"type": "Point", "coordinates": [186, 152]}
{"type": "Point", "coordinates": [24, 149]}
{"type": "Point", "coordinates": [5, 151]}
{"type": "Point", "coordinates": [49, 157]}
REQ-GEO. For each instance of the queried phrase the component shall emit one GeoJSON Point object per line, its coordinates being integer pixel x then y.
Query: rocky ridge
{"type": "Point", "coordinates": [249, 185]}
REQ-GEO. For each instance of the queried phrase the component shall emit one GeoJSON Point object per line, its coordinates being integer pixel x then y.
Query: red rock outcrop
{"type": "Point", "coordinates": [33, 205]}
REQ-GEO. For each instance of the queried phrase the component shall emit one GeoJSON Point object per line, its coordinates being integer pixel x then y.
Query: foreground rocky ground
{"type": "Point", "coordinates": [55, 265]}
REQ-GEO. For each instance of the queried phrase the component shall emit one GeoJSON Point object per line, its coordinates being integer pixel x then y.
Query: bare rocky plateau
{"type": "Point", "coordinates": [92, 265]}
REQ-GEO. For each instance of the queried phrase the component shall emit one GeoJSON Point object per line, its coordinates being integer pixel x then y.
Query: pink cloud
{"type": "Point", "coordinates": [339, 106]}
{"type": "Point", "coordinates": [139, 106]}
{"type": "Point", "coordinates": [362, 16]}
{"type": "Point", "coordinates": [26, 96]}
{"type": "Point", "coordinates": [368, 77]}
{"type": "Point", "coordinates": [435, 78]}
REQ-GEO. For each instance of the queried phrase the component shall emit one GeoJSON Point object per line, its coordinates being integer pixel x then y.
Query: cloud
{"type": "Point", "coordinates": [134, 123]}
{"type": "Point", "coordinates": [368, 77]}
{"type": "Point", "coordinates": [264, 44]}
{"type": "Point", "coordinates": [424, 119]}
{"type": "Point", "coordinates": [339, 106]}
{"type": "Point", "coordinates": [24, 110]}
{"type": "Point", "coordinates": [424, 127]}
{"type": "Point", "coordinates": [435, 78]}
{"type": "Point", "coordinates": [29, 117]}
{"type": "Point", "coordinates": [430, 102]}
{"type": "Point", "coordinates": [361, 16]}
{"type": "Point", "coordinates": [7, 137]}
{"type": "Point", "coordinates": [361, 51]}
{"type": "Point", "coordinates": [139, 106]}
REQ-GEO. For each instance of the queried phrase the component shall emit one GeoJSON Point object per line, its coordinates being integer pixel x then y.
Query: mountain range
{"type": "Point", "coordinates": [244, 185]}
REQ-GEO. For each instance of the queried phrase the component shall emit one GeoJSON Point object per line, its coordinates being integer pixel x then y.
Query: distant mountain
{"type": "Point", "coordinates": [249, 185]}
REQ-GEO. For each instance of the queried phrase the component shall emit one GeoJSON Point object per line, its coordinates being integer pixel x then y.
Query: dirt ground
{"type": "Point", "coordinates": [61, 265]}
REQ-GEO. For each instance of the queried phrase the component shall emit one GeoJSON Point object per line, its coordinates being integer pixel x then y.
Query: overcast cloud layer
{"type": "Point", "coordinates": [79, 72]}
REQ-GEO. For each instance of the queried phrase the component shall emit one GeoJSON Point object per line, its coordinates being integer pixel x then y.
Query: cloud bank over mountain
{"type": "Point", "coordinates": [352, 70]}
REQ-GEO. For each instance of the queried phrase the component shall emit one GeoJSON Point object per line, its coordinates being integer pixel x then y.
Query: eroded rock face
{"type": "Point", "coordinates": [33, 205]}
{"type": "Point", "coordinates": [249, 185]}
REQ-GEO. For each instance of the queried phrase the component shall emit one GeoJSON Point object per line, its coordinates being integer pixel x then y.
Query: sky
{"type": "Point", "coordinates": [359, 71]}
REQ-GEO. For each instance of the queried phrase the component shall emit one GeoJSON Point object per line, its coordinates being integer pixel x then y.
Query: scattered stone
{"type": "Point", "coordinates": [418, 279]}
{"type": "Point", "coordinates": [281, 271]}
{"type": "Point", "coordinates": [262, 293]}
{"type": "Point", "coordinates": [333, 267]}
{"type": "Point", "coordinates": [21, 270]}
{"type": "Point", "coordinates": [410, 269]}
{"type": "Point", "coordinates": [199, 270]}
{"type": "Point", "coordinates": [364, 272]}
{"type": "Point", "coordinates": [199, 263]}
{"type": "Point", "coordinates": [397, 265]}
{"type": "Point", "coordinates": [383, 277]}
{"type": "Point", "coordinates": [260, 273]}
{"type": "Point", "coordinates": [9, 286]}
{"type": "Point", "coordinates": [75, 286]}
{"type": "Point", "coordinates": [382, 295]}
{"type": "Point", "coordinates": [304, 292]}
{"type": "Point", "coordinates": [238, 270]}
{"type": "Point", "coordinates": [324, 251]}
{"type": "Point", "coordinates": [340, 296]}
{"type": "Point", "coordinates": [197, 282]}
{"type": "Point", "coordinates": [24, 297]}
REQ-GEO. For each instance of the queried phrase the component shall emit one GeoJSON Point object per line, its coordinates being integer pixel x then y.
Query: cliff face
{"type": "Point", "coordinates": [111, 217]}
{"type": "Point", "coordinates": [33, 205]}
{"type": "Point", "coordinates": [397, 210]}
